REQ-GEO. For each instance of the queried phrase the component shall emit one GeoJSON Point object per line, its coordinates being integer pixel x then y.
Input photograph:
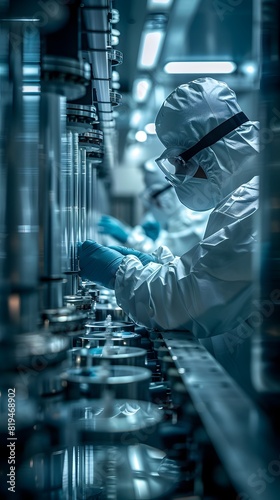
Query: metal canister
{"type": "Point", "coordinates": [102, 310]}
{"type": "Point", "coordinates": [124, 382]}
{"type": "Point", "coordinates": [115, 355]}
{"type": "Point", "coordinates": [78, 302]}
{"type": "Point", "coordinates": [112, 326]}
{"type": "Point", "coordinates": [64, 320]}
{"type": "Point", "coordinates": [98, 339]}
{"type": "Point", "coordinates": [104, 448]}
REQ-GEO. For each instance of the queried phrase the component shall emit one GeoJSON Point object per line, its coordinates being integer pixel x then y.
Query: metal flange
{"type": "Point", "coordinates": [65, 76]}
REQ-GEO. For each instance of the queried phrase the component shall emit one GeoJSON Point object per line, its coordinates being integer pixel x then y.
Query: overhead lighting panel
{"type": "Point", "coordinates": [150, 48]}
{"type": "Point", "coordinates": [31, 89]}
{"type": "Point", "coordinates": [141, 136]}
{"type": "Point", "coordinates": [200, 67]}
{"type": "Point", "coordinates": [141, 89]}
{"type": "Point", "coordinates": [150, 128]}
{"type": "Point", "coordinates": [249, 68]}
{"type": "Point", "coordinates": [159, 4]}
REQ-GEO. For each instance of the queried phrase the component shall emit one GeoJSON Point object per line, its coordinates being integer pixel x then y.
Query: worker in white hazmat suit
{"type": "Point", "coordinates": [141, 237]}
{"type": "Point", "coordinates": [167, 223]}
{"type": "Point", "coordinates": [211, 159]}
{"type": "Point", "coordinates": [182, 228]}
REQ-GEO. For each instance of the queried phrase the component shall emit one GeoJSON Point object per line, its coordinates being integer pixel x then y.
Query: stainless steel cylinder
{"type": "Point", "coordinates": [123, 382]}
{"type": "Point", "coordinates": [95, 472]}
{"type": "Point", "coordinates": [76, 168]}
{"type": "Point", "coordinates": [104, 422]}
{"type": "Point", "coordinates": [78, 302]}
{"type": "Point", "coordinates": [64, 321]}
{"type": "Point", "coordinates": [53, 135]}
{"type": "Point", "coordinates": [83, 193]}
{"type": "Point", "coordinates": [98, 339]}
{"type": "Point", "coordinates": [117, 355]}
{"type": "Point", "coordinates": [89, 200]}
{"type": "Point", "coordinates": [70, 264]}
{"type": "Point", "coordinates": [72, 208]}
{"type": "Point", "coordinates": [117, 313]}
{"type": "Point", "coordinates": [102, 450]}
{"type": "Point", "coordinates": [19, 182]}
{"type": "Point", "coordinates": [113, 326]}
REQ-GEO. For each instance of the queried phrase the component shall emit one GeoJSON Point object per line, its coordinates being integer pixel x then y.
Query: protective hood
{"type": "Point", "coordinates": [189, 113]}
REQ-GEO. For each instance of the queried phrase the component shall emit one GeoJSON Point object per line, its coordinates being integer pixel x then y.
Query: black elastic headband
{"type": "Point", "coordinates": [215, 135]}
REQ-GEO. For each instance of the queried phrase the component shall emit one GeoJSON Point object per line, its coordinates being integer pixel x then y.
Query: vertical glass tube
{"type": "Point", "coordinates": [83, 192]}
{"type": "Point", "coordinates": [89, 211]}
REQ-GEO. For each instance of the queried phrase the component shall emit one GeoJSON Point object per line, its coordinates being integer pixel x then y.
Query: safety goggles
{"type": "Point", "coordinates": [175, 168]}
{"type": "Point", "coordinates": [178, 165]}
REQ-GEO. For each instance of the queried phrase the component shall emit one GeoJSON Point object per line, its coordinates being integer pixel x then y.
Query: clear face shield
{"type": "Point", "coordinates": [176, 170]}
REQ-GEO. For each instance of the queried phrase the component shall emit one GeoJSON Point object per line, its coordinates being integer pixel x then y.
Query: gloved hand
{"type": "Point", "coordinates": [98, 263]}
{"type": "Point", "coordinates": [145, 258]}
{"type": "Point", "coordinates": [152, 229]}
{"type": "Point", "coordinates": [112, 226]}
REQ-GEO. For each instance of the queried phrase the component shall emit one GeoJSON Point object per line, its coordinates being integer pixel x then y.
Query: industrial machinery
{"type": "Point", "coordinates": [91, 405]}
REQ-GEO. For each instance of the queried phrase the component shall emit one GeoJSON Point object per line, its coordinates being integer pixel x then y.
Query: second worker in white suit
{"type": "Point", "coordinates": [179, 227]}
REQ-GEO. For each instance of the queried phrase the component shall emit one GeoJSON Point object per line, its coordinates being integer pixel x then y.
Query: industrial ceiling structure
{"type": "Point", "coordinates": [166, 43]}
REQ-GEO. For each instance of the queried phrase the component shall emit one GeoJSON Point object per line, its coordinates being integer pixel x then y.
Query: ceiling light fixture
{"type": "Point", "coordinates": [249, 68]}
{"type": "Point", "coordinates": [159, 4]}
{"type": "Point", "coordinates": [141, 89]}
{"type": "Point", "coordinates": [141, 136]}
{"type": "Point", "coordinates": [200, 67]}
{"type": "Point", "coordinates": [135, 119]}
{"type": "Point", "coordinates": [150, 128]}
{"type": "Point", "coordinates": [31, 70]}
{"type": "Point", "coordinates": [31, 89]}
{"type": "Point", "coordinates": [150, 48]}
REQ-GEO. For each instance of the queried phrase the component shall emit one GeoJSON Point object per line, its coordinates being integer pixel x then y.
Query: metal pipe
{"type": "Point", "coordinates": [95, 214]}
{"type": "Point", "coordinates": [77, 228]}
{"type": "Point", "coordinates": [5, 98]}
{"type": "Point", "coordinates": [20, 271]}
{"type": "Point", "coordinates": [83, 191]}
{"type": "Point", "coordinates": [96, 19]}
{"type": "Point", "coordinates": [69, 216]}
{"type": "Point", "coordinates": [53, 131]}
{"type": "Point", "coordinates": [64, 75]}
{"type": "Point", "coordinates": [89, 199]}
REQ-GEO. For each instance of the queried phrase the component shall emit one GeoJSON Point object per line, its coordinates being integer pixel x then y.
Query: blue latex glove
{"type": "Point", "coordinates": [152, 229]}
{"type": "Point", "coordinates": [98, 263]}
{"type": "Point", "coordinates": [112, 226]}
{"type": "Point", "coordinates": [145, 258]}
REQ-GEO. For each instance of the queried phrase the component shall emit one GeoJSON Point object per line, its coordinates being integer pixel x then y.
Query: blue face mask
{"type": "Point", "coordinates": [197, 194]}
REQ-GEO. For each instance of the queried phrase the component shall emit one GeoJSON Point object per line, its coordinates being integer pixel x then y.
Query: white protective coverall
{"type": "Point", "coordinates": [208, 290]}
